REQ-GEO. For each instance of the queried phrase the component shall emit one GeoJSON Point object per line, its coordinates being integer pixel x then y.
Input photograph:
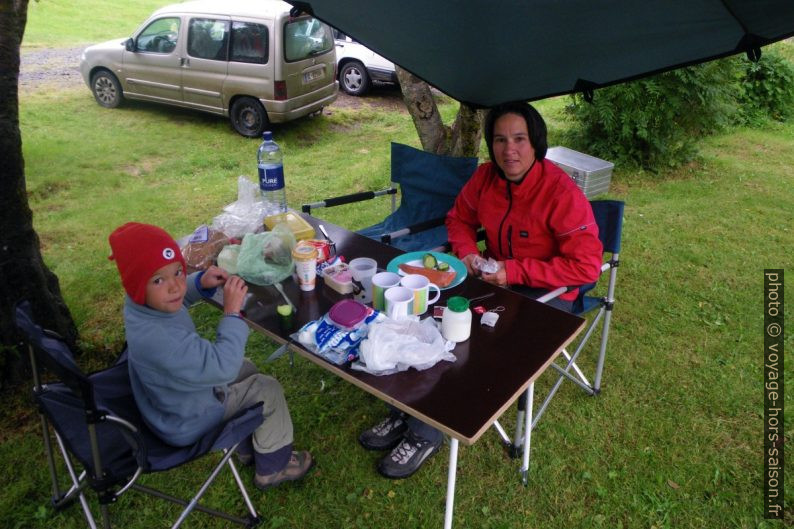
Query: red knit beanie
{"type": "Point", "coordinates": [139, 251]}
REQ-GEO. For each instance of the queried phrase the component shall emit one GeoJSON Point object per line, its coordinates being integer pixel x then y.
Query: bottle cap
{"type": "Point", "coordinates": [267, 135]}
{"type": "Point", "coordinates": [458, 304]}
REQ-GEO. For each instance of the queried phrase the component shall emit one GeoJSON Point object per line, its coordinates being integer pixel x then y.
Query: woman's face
{"type": "Point", "coordinates": [511, 146]}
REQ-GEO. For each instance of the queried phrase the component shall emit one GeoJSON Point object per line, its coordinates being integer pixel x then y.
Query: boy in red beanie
{"type": "Point", "coordinates": [183, 384]}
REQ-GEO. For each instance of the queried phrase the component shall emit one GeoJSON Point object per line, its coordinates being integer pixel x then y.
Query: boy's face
{"type": "Point", "coordinates": [166, 288]}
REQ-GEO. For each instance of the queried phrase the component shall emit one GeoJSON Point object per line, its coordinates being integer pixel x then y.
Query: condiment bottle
{"type": "Point", "coordinates": [456, 320]}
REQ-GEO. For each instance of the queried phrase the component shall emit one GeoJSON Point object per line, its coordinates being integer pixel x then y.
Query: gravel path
{"type": "Point", "coordinates": [60, 68]}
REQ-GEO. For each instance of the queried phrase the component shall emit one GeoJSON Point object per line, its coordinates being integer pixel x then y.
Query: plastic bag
{"type": "Point", "coordinates": [334, 342]}
{"type": "Point", "coordinates": [245, 215]}
{"type": "Point", "coordinates": [396, 345]}
{"type": "Point", "coordinates": [266, 258]}
{"type": "Point", "coordinates": [202, 247]}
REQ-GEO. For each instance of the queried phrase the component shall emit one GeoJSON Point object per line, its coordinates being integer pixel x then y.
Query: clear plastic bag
{"type": "Point", "coordinates": [245, 215]}
{"type": "Point", "coordinates": [396, 345]}
{"type": "Point", "coordinates": [266, 258]}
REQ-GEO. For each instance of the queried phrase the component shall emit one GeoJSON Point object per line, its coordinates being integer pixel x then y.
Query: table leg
{"type": "Point", "coordinates": [453, 468]}
{"type": "Point", "coordinates": [527, 432]}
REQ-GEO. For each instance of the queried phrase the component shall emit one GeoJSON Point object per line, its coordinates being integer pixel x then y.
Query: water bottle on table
{"type": "Point", "coordinates": [270, 163]}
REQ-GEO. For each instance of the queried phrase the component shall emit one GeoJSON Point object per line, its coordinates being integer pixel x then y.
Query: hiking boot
{"type": "Point", "coordinates": [297, 467]}
{"type": "Point", "coordinates": [408, 456]}
{"type": "Point", "coordinates": [384, 435]}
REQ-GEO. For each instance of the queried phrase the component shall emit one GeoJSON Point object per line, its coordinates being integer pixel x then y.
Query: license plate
{"type": "Point", "coordinates": [313, 75]}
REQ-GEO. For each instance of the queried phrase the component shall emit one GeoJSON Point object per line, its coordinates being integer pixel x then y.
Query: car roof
{"type": "Point", "coordinates": [268, 8]}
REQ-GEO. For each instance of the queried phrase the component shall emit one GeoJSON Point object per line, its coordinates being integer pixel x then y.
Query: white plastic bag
{"type": "Point", "coordinates": [396, 345]}
{"type": "Point", "coordinates": [245, 215]}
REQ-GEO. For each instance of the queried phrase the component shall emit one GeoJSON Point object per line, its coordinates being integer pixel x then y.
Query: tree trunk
{"type": "Point", "coordinates": [23, 274]}
{"type": "Point", "coordinates": [460, 139]}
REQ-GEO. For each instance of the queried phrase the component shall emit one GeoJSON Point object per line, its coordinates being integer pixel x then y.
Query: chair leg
{"type": "Point", "coordinates": [89, 518]}
{"type": "Point", "coordinates": [602, 351]}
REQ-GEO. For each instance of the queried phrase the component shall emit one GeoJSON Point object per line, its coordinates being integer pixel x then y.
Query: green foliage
{"type": "Point", "coordinates": [651, 122]}
{"type": "Point", "coordinates": [767, 89]}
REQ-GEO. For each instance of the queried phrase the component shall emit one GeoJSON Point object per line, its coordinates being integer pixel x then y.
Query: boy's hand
{"type": "Point", "coordinates": [234, 292]}
{"type": "Point", "coordinates": [213, 277]}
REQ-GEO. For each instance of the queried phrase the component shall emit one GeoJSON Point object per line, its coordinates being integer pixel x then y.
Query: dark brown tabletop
{"type": "Point", "coordinates": [461, 398]}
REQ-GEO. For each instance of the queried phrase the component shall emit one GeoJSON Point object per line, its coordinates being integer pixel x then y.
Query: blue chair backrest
{"type": "Point", "coordinates": [429, 184]}
{"type": "Point", "coordinates": [609, 217]}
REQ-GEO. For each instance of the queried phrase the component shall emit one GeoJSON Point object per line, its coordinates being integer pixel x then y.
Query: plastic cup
{"type": "Point", "coordinates": [381, 282]}
{"type": "Point", "coordinates": [305, 258]}
{"type": "Point", "coordinates": [362, 269]}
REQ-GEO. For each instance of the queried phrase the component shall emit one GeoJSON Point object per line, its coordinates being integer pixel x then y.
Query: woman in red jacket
{"type": "Point", "coordinates": [539, 226]}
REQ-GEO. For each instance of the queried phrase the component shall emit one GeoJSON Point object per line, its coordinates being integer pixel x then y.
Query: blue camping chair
{"type": "Point", "coordinates": [95, 421]}
{"type": "Point", "coordinates": [609, 217]}
{"type": "Point", "coordinates": [429, 184]}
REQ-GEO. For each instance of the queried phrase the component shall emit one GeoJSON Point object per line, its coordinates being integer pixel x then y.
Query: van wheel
{"type": "Point", "coordinates": [248, 117]}
{"type": "Point", "coordinates": [354, 78]}
{"type": "Point", "coordinates": [106, 89]}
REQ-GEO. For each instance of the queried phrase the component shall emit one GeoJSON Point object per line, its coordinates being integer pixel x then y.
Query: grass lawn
{"type": "Point", "coordinates": [674, 440]}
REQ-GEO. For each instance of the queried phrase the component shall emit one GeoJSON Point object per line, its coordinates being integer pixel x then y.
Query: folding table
{"type": "Point", "coordinates": [462, 398]}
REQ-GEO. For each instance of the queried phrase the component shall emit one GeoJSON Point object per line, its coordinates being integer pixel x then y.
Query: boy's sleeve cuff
{"type": "Point", "coordinates": [205, 292]}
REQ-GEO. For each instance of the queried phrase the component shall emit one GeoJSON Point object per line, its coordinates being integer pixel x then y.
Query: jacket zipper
{"type": "Point", "coordinates": [510, 241]}
{"type": "Point", "coordinates": [501, 224]}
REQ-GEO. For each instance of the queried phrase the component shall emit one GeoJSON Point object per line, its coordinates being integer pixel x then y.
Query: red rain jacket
{"type": "Point", "coordinates": [542, 228]}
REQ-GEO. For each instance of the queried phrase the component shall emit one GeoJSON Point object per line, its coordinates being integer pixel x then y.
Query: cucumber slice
{"type": "Point", "coordinates": [442, 266]}
{"type": "Point", "coordinates": [429, 261]}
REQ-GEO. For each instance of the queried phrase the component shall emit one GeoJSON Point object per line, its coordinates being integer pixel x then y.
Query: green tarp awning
{"type": "Point", "coordinates": [485, 52]}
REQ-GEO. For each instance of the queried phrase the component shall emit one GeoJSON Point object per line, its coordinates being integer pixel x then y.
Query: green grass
{"type": "Point", "coordinates": [62, 23]}
{"type": "Point", "coordinates": [674, 440]}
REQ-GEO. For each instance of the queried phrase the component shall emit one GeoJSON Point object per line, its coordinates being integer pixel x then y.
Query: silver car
{"type": "Point", "coordinates": [245, 59]}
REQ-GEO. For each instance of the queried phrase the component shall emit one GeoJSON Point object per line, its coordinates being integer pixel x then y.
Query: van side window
{"type": "Point", "coordinates": [249, 43]}
{"type": "Point", "coordinates": [306, 37]}
{"type": "Point", "coordinates": [159, 37]}
{"type": "Point", "coordinates": [208, 39]}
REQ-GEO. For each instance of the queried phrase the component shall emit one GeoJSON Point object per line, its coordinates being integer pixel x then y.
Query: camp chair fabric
{"type": "Point", "coordinates": [97, 422]}
{"type": "Point", "coordinates": [429, 184]}
{"type": "Point", "coordinates": [609, 218]}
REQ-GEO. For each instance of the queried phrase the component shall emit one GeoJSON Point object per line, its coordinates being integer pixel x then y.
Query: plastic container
{"type": "Point", "coordinates": [339, 277]}
{"type": "Point", "coordinates": [270, 166]}
{"type": "Point", "coordinates": [347, 313]}
{"type": "Point", "coordinates": [299, 227]}
{"type": "Point", "coordinates": [456, 320]}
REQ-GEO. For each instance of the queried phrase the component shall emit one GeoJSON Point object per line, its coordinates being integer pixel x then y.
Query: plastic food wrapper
{"type": "Point", "coordinates": [266, 258]}
{"type": "Point", "coordinates": [396, 345]}
{"type": "Point", "coordinates": [486, 266]}
{"type": "Point", "coordinates": [227, 259]}
{"type": "Point", "coordinates": [245, 215]}
{"type": "Point", "coordinates": [336, 342]}
{"type": "Point", "coordinates": [202, 247]}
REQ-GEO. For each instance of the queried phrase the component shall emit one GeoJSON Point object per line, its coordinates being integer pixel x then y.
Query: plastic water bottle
{"type": "Point", "coordinates": [271, 175]}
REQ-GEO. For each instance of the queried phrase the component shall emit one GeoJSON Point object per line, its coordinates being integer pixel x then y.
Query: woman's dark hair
{"type": "Point", "coordinates": [535, 125]}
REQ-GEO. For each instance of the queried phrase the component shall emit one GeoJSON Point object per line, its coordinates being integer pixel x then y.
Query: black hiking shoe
{"type": "Point", "coordinates": [408, 456]}
{"type": "Point", "coordinates": [384, 435]}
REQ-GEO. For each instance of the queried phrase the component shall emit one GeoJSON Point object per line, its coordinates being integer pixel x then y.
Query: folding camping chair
{"type": "Point", "coordinates": [609, 218]}
{"type": "Point", "coordinates": [96, 422]}
{"type": "Point", "coordinates": [429, 184]}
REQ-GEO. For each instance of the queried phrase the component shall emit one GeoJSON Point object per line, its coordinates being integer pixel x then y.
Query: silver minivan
{"type": "Point", "coordinates": [250, 60]}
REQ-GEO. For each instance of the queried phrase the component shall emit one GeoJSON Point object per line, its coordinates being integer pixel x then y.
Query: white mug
{"type": "Point", "coordinates": [362, 269]}
{"type": "Point", "coordinates": [420, 287]}
{"type": "Point", "coordinates": [398, 302]}
{"type": "Point", "coordinates": [381, 282]}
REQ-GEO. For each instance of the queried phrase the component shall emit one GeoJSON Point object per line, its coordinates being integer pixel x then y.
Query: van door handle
{"type": "Point", "coordinates": [184, 61]}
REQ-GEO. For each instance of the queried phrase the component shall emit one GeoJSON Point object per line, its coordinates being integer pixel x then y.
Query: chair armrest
{"type": "Point", "coordinates": [347, 199]}
{"type": "Point", "coordinates": [386, 238]}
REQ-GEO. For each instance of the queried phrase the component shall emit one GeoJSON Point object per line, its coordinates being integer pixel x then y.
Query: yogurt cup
{"type": "Point", "coordinates": [305, 257]}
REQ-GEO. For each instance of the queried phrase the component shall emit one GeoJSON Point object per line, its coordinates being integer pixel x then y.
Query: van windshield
{"type": "Point", "coordinates": [306, 37]}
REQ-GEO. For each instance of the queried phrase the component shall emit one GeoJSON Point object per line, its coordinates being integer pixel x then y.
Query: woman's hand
{"type": "Point", "coordinates": [468, 260]}
{"type": "Point", "coordinates": [234, 291]}
{"type": "Point", "coordinates": [499, 277]}
{"type": "Point", "coordinates": [213, 277]}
